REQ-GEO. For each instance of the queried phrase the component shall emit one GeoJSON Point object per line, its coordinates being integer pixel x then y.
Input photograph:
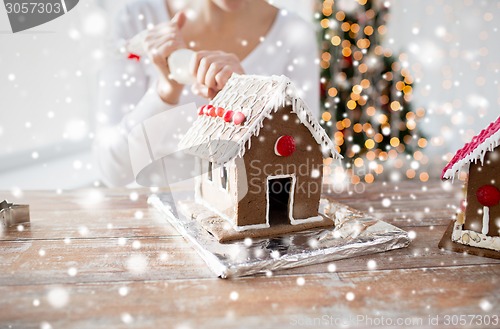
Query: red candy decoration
{"type": "Point", "coordinates": [228, 116]}
{"type": "Point", "coordinates": [201, 110]}
{"type": "Point", "coordinates": [219, 111]}
{"type": "Point", "coordinates": [134, 57]}
{"type": "Point", "coordinates": [212, 112]}
{"type": "Point", "coordinates": [238, 118]}
{"type": "Point", "coordinates": [208, 108]}
{"type": "Point", "coordinates": [284, 146]}
{"type": "Point", "coordinates": [488, 195]}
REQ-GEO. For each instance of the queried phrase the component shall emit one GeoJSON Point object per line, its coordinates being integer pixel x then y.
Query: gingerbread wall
{"type": "Point", "coordinates": [214, 194]}
{"type": "Point", "coordinates": [479, 175]}
{"type": "Point", "coordinates": [261, 161]}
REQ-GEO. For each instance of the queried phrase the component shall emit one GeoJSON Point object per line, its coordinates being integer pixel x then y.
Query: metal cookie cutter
{"type": "Point", "coordinates": [13, 214]}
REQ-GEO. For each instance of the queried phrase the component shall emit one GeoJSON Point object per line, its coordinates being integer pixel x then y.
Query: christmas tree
{"type": "Point", "coordinates": [366, 91]}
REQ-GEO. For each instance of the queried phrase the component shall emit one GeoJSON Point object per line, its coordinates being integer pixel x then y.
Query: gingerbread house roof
{"type": "Point", "coordinates": [474, 151]}
{"type": "Point", "coordinates": [257, 98]}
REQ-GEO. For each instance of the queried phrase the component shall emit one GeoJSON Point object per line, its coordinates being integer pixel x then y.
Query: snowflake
{"type": "Point", "coordinates": [123, 291]}
{"type": "Point", "coordinates": [83, 230]}
{"type": "Point", "coordinates": [332, 267]}
{"type": "Point", "coordinates": [234, 295]}
{"type": "Point", "coordinates": [412, 235]}
{"type": "Point", "coordinates": [137, 264]}
{"type": "Point", "coordinates": [347, 6]}
{"type": "Point", "coordinates": [134, 196]}
{"type": "Point", "coordinates": [275, 254]}
{"type": "Point", "coordinates": [371, 264]}
{"type": "Point", "coordinates": [77, 165]}
{"type": "Point", "coordinates": [58, 297]}
{"type": "Point", "coordinates": [126, 318]}
{"type": "Point", "coordinates": [313, 243]}
{"type": "Point", "coordinates": [386, 202]}
{"type": "Point", "coordinates": [74, 34]}
{"type": "Point", "coordinates": [94, 24]}
{"type": "Point", "coordinates": [315, 173]}
{"type": "Point", "coordinates": [485, 305]}
{"type": "Point", "coordinates": [136, 244]}
{"type": "Point", "coordinates": [45, 325]}
{"type": "Point", "coordinates": [72, 271]}
{"type": "Point", "coordinates": [350, 296]}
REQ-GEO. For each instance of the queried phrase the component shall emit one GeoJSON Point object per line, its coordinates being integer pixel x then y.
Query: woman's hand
{"type": "Point", "coordinates": [212, 69]}
{"type": "Point", "coordinates": [160, 42]}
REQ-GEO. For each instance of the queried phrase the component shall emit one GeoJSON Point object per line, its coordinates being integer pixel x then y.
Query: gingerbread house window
{"type": "Point", "coordinates": [223, 177]}
{"type": "Point", "coordinates": [210, 171]}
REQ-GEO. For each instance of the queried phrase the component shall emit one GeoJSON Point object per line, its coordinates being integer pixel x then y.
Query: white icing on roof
{"type": "Point", "coordinates": [258, 97]}
{"type": "Point", "coordinates": [487, 140]}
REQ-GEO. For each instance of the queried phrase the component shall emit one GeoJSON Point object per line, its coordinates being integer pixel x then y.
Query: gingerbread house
{"type": "Point", "coordinates": [260, 156]}
{"type": "Point", "coordinates": [478, 222]}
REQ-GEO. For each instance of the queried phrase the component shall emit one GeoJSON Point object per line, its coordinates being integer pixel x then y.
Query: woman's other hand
{"type": "Point", "coordinates": [160, 42]}
{"type": "Point", "coordinates": [212, 70]}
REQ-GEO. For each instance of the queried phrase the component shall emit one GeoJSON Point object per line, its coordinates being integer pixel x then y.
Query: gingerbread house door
{"type": "Point", "coordinates": [280, 191]}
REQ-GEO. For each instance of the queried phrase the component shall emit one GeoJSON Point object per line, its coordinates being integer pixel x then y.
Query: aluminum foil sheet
{"type": "Point", "coordinates": [354, 234]}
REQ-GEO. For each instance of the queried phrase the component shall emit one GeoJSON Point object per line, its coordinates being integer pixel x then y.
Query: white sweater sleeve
{"type": "Point", "coordinates": [124, 100]}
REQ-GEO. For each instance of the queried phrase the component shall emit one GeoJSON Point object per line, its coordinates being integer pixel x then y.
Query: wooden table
{"type": "Point", "coordinates": [104, 259]}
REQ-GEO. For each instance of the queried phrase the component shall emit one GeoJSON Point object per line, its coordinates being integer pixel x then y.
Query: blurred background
{"type": "Point", "coordinates": [390, 69]}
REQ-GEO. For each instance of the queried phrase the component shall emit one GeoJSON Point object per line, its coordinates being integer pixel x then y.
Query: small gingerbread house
{"type": "Point", "coordinates": [260, 156]}
{"type": "Point", "coordinates": [478, 223]}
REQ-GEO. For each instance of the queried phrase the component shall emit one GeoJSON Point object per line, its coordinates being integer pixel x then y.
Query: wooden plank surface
{"type": "Point", "coordinates": [162, 258]}
{"type": "Point", "coordinates": [100, 258]}
{"type": "Point", "coordinates": [275, 302]}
